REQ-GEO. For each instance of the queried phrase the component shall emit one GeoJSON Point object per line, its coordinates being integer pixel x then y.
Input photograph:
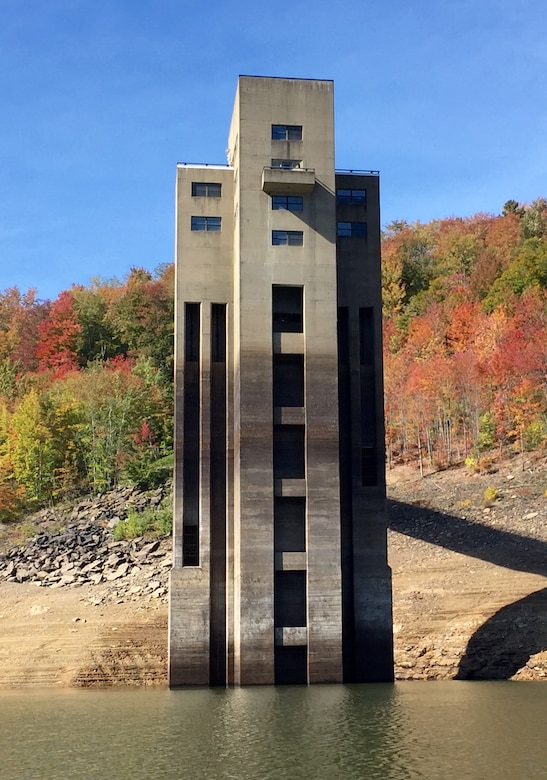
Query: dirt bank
{"type": "Point", "coordinates": [469, 581]}
{"type": "Point", "coordinates": [470, 574]}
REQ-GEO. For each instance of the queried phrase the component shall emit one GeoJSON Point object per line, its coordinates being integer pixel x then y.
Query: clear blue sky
{"type": "Point", "coordinates": [101, 98]}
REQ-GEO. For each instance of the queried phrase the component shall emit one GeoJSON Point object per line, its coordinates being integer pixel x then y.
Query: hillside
{"type": "Point", "coordinates": [469, 581]}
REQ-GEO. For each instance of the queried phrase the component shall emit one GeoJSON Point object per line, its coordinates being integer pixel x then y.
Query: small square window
{"type": "Point", "coordinates": [287, 237]}
{"type": "Point", "coordinates": [352, 229]}
{"type": "Point", "coordinates": [287, 202]}
{"type": "Point", "coordinates": [206, 189]}
{"type": "Point", "coordinates": [210, 224]}
{"type": "Point", "coordinates": [286, 132]}
{"type": "Point", "coordinates": [351, 196]}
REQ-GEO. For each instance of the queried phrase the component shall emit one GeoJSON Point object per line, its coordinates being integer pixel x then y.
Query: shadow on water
{"type": "Point", "coordinates": [504, 644]}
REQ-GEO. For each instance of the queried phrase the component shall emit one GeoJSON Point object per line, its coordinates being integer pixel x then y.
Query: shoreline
{"type": "Point", "coordinates": [469, 585]}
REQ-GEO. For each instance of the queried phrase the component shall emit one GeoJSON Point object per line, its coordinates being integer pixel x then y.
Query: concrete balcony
{"type": "Point", "coordinates": [288, 181]}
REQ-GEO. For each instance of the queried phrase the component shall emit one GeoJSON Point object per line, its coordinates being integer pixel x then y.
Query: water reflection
{"type": "Point", "coordinates": [407, 730]}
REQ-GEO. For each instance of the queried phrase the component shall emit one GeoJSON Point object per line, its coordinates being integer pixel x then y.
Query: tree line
{"type": "Point", "coordinates": [86, 391]}
{"type": "Point", "coordinates": [465, 336]}
{"type": "Point", "coordinates": [86, 380]}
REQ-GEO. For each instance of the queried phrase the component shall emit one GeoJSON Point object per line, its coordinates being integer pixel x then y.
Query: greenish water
{"type": "Point", "coordinates": [433, 730]}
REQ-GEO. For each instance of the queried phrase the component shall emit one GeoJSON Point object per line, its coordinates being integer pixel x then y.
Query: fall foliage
{"type": "Point", "coordinates": [85, 389]}
{"type": "Point", "coordinates": [86, 396]}
{"type": "Point", "coordinates": [465, 335]}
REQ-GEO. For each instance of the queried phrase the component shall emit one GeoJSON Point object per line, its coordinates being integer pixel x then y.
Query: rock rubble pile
{"type": "Point", "coordinates": [83, 551]}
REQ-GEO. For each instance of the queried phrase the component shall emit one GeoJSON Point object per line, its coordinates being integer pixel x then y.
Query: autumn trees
{"type": "Point", "coordinates": [85, 388]}
{"type": "Point", "coordinates": [465, 333]}
{"type": "Point", "coordinates": [86, 380]}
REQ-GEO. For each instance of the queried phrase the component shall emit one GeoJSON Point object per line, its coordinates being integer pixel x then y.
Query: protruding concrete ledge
{"type": "Point", "coordinates": [286, 181]}
{"type": "Point", "coordinates": [288, 343]}
{"type": "Point", "coordinates": [289, 415]}
{"type": "Point", "coordinates": [290, 488]}
{"type": "Point", "coordinates": [291, 636]}
{"type": "Point", "coordinates": [290, 561]}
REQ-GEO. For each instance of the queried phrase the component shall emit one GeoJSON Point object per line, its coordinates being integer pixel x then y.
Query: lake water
{"type": "Point", "coordinates": [435, 730]}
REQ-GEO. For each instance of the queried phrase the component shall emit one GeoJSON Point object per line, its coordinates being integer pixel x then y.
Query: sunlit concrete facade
{"type": "Point", "coordinates": [280, 572]}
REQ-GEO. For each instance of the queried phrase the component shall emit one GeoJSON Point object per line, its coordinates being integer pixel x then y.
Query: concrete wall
{"type": "Point", "coordinates": [248, 613]}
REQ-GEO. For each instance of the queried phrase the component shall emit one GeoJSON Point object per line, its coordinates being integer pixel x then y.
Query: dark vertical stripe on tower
{"type": "Point", "coordinates": [218, 495]}
{"type": "Point", "coordinates": [191, 446]}
{"type": "Point", "coordinates": [346, 503]}
{"type": "Point", "coordinates": [369, 464]}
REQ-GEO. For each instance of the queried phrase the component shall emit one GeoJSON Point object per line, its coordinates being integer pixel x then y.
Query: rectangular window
{"type": "Point", "coordinates": [286, 132]}
{"type": "Point", "coordinates": [287, 238]}
{"type": "Point", "coordinates": [289, 451]}
{"type": "Point", "coordinates": [351, 196]}
{"type": "Point", "coordinates": [190, 545]}
{"type": "Point", "coordinates": [206, 189]}
{"type": "Point", "coordinates": [287, 203]}
{"type": "Point", "coordinates": [286, 165]}
{"type": "Point", "coordinates": [211, 224]}
{"type": "Point", "coordinates": [290, 524]}
{"type": "Point", "coordinates": [290, 598]}
{"type": "Point", "coordinates": [191, 332]}
{"type": "Point", "coordinates": [287, 309]}
{"type": "Point", "coordinates": [288, 380]}
{"type": "Point", "coordinates": [352, 229]}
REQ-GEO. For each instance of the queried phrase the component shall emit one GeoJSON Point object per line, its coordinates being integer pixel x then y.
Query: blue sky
{"type": "Point", "coordinates": [100, 99]}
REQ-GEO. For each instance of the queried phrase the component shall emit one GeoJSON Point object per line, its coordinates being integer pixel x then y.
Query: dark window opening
{"type": "Point", "coordinates": [286, 132]}
{"type": "Point", "coordinates": [191, 332]}
{"type": "Point", "coordinates": [352, 229]}
{"type": "Point", "coordinates": [291, 665]}
{"type": "Point", "coordinates": [218, 334]}
{"type": "Point", "coordinates": [287, 238]}
{"type": "Point", "coordinates": [210, 224]}
{"type": "Point", "coordinates": [288, 380]}
{"type": "Point", "coordinates": [351, 196]}
{"type": "Point", "coordinates": [190, 545]}
{"type": "Point", "coordinates": [290, 599]}
{"type": "Point", "coordinates": [206, 189]}
{"type": "Point", "coordinates": [287, 309]}
{"type": "Point", "coordinates": [290, 524]}
{"type": "Point", "coordinates": [287, 202]}
{"type": "Point", "coordinates": [289, 451]}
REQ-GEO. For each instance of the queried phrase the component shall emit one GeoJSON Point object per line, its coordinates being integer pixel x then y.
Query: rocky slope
{"type": "Point", "coordinates": [78, 608]}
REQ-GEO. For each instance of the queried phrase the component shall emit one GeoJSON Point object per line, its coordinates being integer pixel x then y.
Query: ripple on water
{"type": "Point", "coordinates": [374, 732]}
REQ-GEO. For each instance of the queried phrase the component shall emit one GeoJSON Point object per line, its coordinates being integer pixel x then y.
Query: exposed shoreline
{"type": "Point", "coordinates": [469, 582]}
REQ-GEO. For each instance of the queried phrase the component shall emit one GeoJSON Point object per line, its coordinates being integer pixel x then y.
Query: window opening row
{"type": "Point", "coordinates": [284, 237]}
{"type": "Point", "coordinates": [351, 196]}
{"type": "Point", "coordinates": [352, 229]}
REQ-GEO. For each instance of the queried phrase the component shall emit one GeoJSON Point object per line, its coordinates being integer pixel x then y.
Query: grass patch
{"type": "Point", "coordinates": [150, 522]}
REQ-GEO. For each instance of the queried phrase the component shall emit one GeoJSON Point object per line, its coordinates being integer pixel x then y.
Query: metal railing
{"type": "Point", "coordinates": [357, 172]}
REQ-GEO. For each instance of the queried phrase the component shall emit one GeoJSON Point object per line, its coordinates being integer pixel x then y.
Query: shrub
{"type": "Point", "coordinates": [490, 495]}
{"type": "Point", "coordinates": [150, 522]}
